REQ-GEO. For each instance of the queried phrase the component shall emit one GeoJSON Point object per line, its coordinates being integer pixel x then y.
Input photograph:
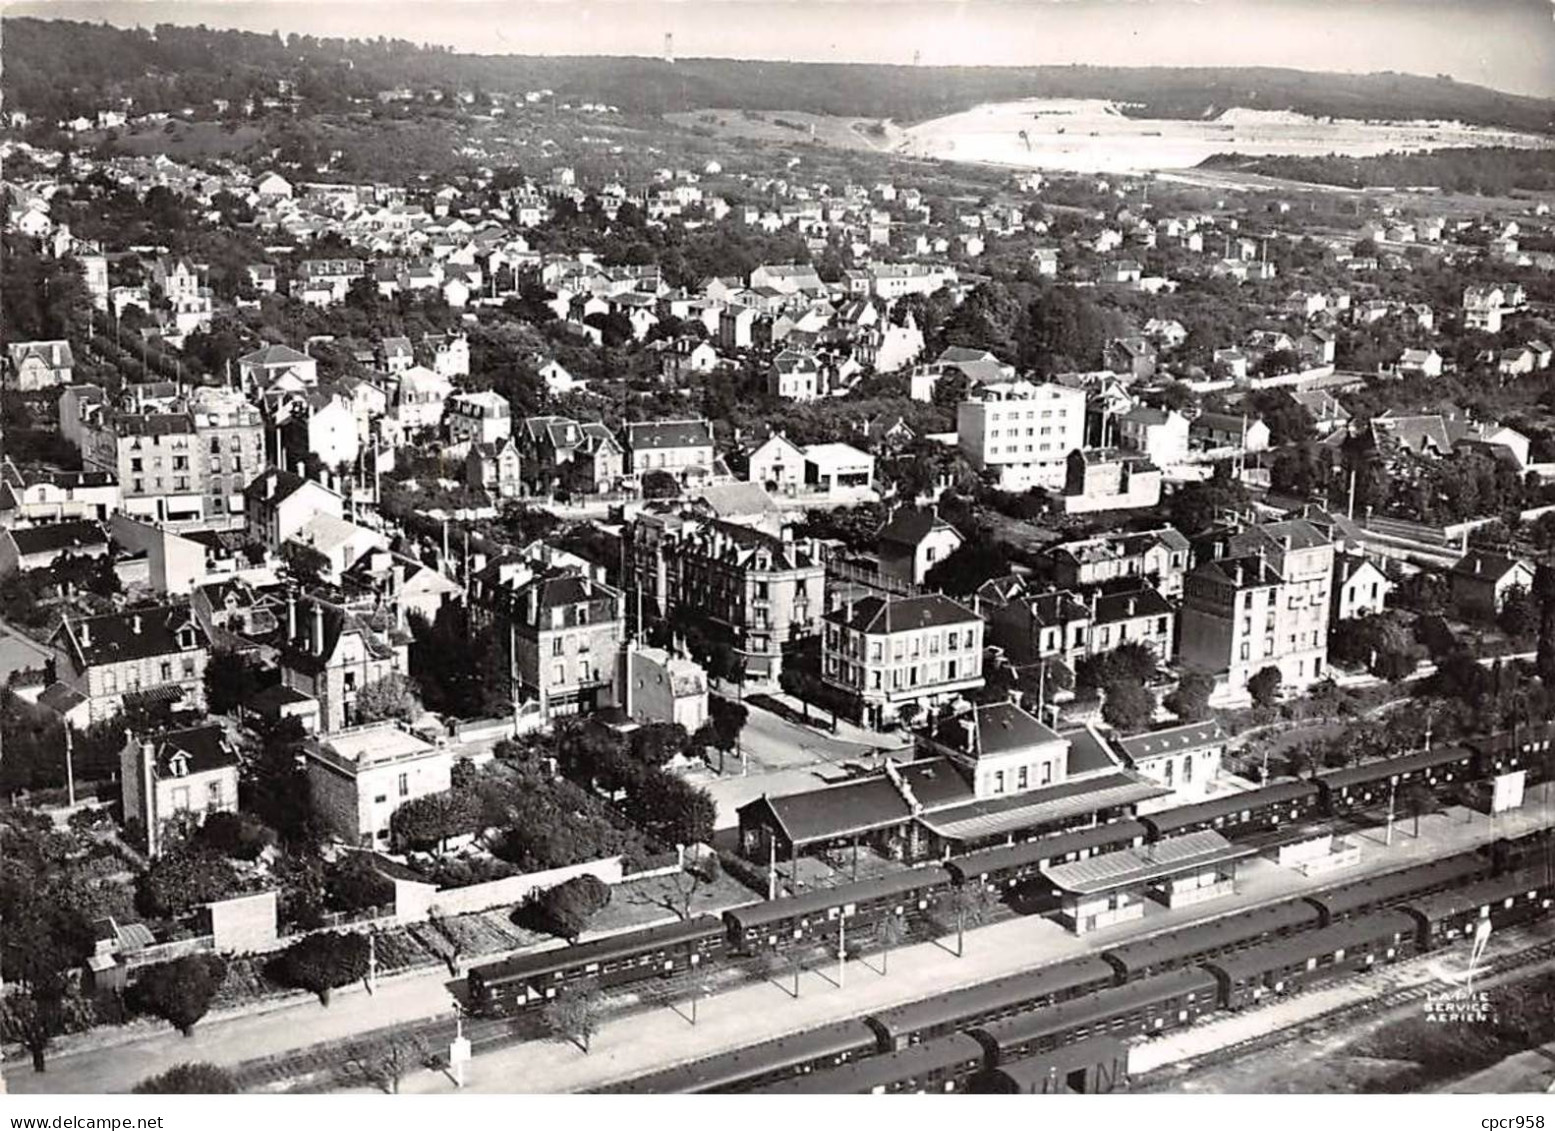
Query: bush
{"type": "Point", "coordinates": [183, 879]}
{"type": "Point", "coordinates": [188, 1080]}
{"type": "Point", "coordinates": [323, 962]}
{"type": "Point", "coordinates": [565, 910]}
{"type": "Point", "coordinates": [180, 992]}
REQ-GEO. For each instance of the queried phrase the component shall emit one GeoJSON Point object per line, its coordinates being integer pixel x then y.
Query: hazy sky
{"type": "Point", "coordinates": [1507, 44]}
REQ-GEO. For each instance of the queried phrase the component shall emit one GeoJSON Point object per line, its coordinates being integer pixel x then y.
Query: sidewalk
{"type": "Point", "coordinates": [119, 1067]}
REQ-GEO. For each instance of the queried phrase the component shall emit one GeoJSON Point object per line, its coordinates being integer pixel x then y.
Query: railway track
{"type": "Point", "coordinates": [1390, 1000]}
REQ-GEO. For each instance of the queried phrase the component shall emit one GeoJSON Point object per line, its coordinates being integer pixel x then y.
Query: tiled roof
{"type": "Point", "coordinates": [58, 537]}
{"type": "Point", "coordinates": [669, 434]}
{"type": "Point", "coordinates": [1173, 740]}
{"type": "Point", "coordinates": [909, 526]}
{"type": "Point", "coordinates": [903, 614]}
{"type": "Point", "coordinates": [133, 634]}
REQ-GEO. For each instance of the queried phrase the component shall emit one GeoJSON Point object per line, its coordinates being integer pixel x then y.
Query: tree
{"type": "Point", "coordinates": [354, 883]}
{"type": "Point", "coordinates": [181, 991]}
{"type": "Point", "coordinates": [670, 809]}
{"type": "Point", "coordinates": [188, 1080]}
{"type": "Point", "coordinates": [574, 1014]}
{"type": "Point", "coordinates": [659, 485]}
{"type": "Point", "coordinates": [967, 567]}
{"type": "Point", "coordinates": [324, 961]}
{"type": "Point", "coordinates": [1264, 686]}
{"type": "Point", "coordinates": [970, 905]}
{"type": "Point", "coordinates": [890, 932]}
{"type": "Point", "coordinates": [694, 875]}
{"type": "Point", "coordinates": [33, 1018]}
{"type": "Point", "coordinates": [239, 836]}
{"type": "Point", "coordinates": [1190, 701]}
{"type": "Point", "coordinates": [907, 714]}
{"type": "Point", "coordinates": [392, 697]}
{"type": "Point", "coordinates": [1519, 616]}
{"type": "Point", "coordinates": [565, 910]}
{"type": "Point", "coordinates": [387, 1064]}
{"type": "Point", "coordinates": [182, 879]}
{"type": "Point", "coordinates": [230, 682]}
{"type": "Point", "coordinates": [1129, 707]}
{"type": "Point", "coordinates": [726, 721]}
{"type": "Point", "coordinates": [428, 822]}
{"type": "Point", "coordinates": [1418, 799]}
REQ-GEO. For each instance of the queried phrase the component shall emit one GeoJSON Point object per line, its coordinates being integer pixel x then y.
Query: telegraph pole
{"type": "Point", "coordinates": [1392, 790]}
{"type": "Point", "coordinates": [842, 950]}
{"type": "Point", "coordinates": [70, 769]}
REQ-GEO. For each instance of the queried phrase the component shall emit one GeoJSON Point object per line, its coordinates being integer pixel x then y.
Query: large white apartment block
{"type": "Point", "coordinates": [1022, 431]}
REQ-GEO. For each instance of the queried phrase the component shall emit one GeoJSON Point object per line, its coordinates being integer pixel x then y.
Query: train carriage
{"type": "Point", "coordinates": [1151, 1005]}
{"type": "Point", "coordinates": [529, 979]}
{"type": "Point", "coordinates": [1007, 866]}
{"type": "Point", "coordinates": [946, 1065]}
{"type": "Point", "coordinates": [1363, 786]}
{"type": "Point", "coordinates": [1172, 949]}
{"type": "Point", "coordinates": [1280, 804]}
{"type": "Point", "coordinates": [1097, 1064]}
{"type": "Point", "coordinates": [1506, 901]}
{"type": "Point", "coordinates": [770, 1062]}
{"type": "Point", "coordinates": [1397, 887]}
{"type": "Point", "coordinates": [1530, 748]}
{"type": "Point", "coordinates": [761, 927]}
{"type": "Point", "coordinates": [1289, 964]}
{"type": "Point", "coordinates": [961, 1009]}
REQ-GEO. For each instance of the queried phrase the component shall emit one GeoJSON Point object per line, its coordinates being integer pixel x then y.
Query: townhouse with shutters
{"type": "Point", "coordinates": [1261, 600]}
{"type": "Point", "coordinates": [886, 653]}
{"type": "Point", "coordinates": [186, 459]}
{"type": "Point", "coordinates": [563, 629]}
{"type": "Point", "coordinates": [137, 657]}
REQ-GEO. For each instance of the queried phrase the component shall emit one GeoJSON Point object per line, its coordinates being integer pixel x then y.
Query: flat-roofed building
{"type": "Point", "coordinates": [358, 777]}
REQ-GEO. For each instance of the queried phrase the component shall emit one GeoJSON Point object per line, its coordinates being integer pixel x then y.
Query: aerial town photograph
{"type": "Point", "coordinates": [781, 547]}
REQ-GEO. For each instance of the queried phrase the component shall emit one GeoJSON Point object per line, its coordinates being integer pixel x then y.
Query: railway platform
{"type": "Point", "coordinates": [637, 1043]}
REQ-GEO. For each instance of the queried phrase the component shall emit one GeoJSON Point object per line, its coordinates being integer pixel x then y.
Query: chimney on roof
{"type": "Point", "coordinates": [1093, 604]}
{"type": "Point", "coordinates": [1240, 575]}
{"type": "Point", "coordinates": [1478, 563]}
{"type": "Point", "coordinates": [318, 629]}
{"type": "Point", "coordinates": [84, 633]}
{"type": "Point", "coordinates": [534, 603]}
{"type": "Point", "coordinates": [969, 731]}
{"type": "Point", "coordinates": [270, 486]}
{"type": "Point", "coordinates": [1133, 603]}
{"type": "Point", "coordinates": [291, 616]}
{"type": "Point", "coordinates": [135, 624]}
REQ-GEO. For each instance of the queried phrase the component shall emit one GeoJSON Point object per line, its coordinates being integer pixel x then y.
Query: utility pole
{"type": "Point", "coordinates": [771, 866]}
{"type": "Point", "coordinates": [372, 961]}
{"type": "Point", "coordinates": [70, 769]}
{"type": "Point", "coordinates": [842, 951]}
{"type": "Point", "coordinates": [1392, 791]}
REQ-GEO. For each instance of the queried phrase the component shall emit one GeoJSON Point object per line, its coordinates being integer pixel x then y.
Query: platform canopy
{"type": "Point", "coordinates": [1132, 867]}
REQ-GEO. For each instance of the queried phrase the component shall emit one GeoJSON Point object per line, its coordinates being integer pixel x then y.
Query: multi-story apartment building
{"type": "Point", "coordinates": [330, 653]}
{"type": "Point", "coordinates": [759, 592]}
{"type": "Point", "coordinates": [188, 460]}
{"type": "Point", "coordinates": [565, 633]}
{"type": "Point", "coordinates": [886, 653]}
{"type": "Point", "coordinates": [358, 777]}
{"type": "Point", "coordinates": [149, 655]}
{"type": "Point", "coordinates": [1263, 603]}
{"type": "Point", "coordinates": [1022, 432]}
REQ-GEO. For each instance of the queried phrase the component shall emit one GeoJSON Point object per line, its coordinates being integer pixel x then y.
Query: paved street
{"type": "Point", "coordinates": [783, 756]}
